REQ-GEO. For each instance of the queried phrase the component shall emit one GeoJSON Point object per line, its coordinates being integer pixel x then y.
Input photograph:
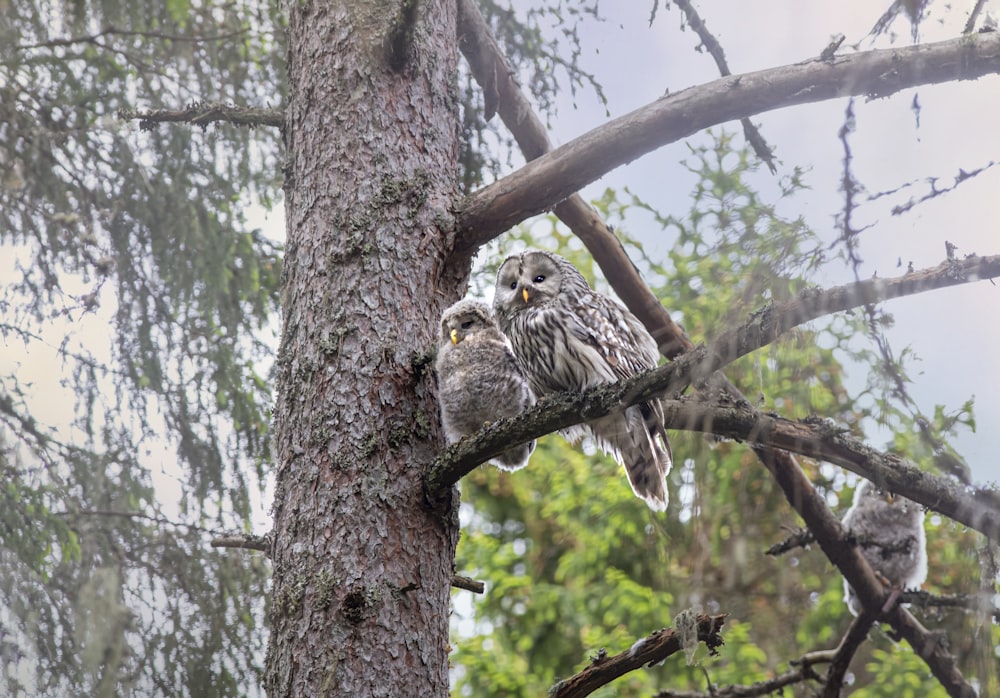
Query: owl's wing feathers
{"type": "Point", "coordinates": [636, 438]}
{"type": "Point", "coordinates": [617, 335]}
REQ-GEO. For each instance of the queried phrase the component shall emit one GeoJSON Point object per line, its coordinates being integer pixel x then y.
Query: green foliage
{"type": "Point", "coordinates": [575, 563]}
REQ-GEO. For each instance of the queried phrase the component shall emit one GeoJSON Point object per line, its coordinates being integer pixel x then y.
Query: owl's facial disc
{"type": "Point", "coordinates": [454, 336]}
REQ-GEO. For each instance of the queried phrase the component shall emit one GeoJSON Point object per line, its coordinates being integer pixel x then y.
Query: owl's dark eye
{"type": "Point", "coordinates": [467, 324]}
{"type": "Point", "coordinates": [539, 279]}
{"type": "Point", "coordinates": [513, 285]}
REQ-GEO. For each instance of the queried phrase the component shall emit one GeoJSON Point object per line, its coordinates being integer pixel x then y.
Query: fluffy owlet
{"type": "Point", "coordinates": [478, 379]}
{"type": "Point", "coordinates": [890, 531]}
{"type": "Point", "coordinates": [568, 337]}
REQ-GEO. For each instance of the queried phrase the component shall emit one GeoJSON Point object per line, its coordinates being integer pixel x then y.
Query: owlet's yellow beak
{"type": "Point", "coordinates": [524, 294]}
{"type": "Point", "coordinates": [454, 336]}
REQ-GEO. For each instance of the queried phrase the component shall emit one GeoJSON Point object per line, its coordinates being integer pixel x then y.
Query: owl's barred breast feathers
{"type": "Point", "coordinates": [566, 336]}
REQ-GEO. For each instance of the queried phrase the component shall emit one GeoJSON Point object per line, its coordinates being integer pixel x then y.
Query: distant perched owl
{"type": "Point", "coordinates": [568, 337]}
{"type": "Point", "coordinates": [478, 379]}
{"type": "Point", "coordinates": [890, 532]}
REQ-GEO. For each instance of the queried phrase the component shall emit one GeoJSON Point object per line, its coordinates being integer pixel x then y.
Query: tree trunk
{"type": "Point", "coordinates": [362, 562]}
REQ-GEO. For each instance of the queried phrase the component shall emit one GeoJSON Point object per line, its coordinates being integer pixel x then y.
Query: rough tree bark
{"type": "Point", "coordinates": [362, 563]}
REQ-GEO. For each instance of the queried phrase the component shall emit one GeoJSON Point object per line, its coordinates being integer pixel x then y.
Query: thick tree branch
{"type": "Point", "coordinates": [204, 113]}
{"type": "Point", "coordinates": [738, 419]}
{"type": "Point", "coordinates": [496, 77]}
{"type": "Point", "coordinates": [978, 508]}
{"type": "Point", "coordinates": [647, 651]}
{"type": "Point", "coordinates": [549, 179]}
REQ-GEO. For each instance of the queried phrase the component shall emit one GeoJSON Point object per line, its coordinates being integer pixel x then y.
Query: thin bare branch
{"type": "Point", "coordinates": [111, 30]}
{"type": "Point", "coordinates": [549, 179]}
{"type": "Point", "coordinates": [970, 24]}
{"type": "Point", "coordinates": [802, 538]}
{"type": "Point", "coordinates": [981, 603]}
{"type": "Point", "coordinates": [647, 651]}
{"type": "Point", "coordinates": [714, 48]}
{"type": "Point", "coordinates": [978, 508]}
{"type": "Point", "coordinates": [244, 541]}
{"type": "Point", "coordinates": [799, 674]}
{"type": "Point", "coordinates": [158, 520]}
{"type": "Point", "coordinates": [204, 113]}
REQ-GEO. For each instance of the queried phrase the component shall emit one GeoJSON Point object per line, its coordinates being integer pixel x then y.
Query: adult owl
{"type": "Point", "coordinates": [890, 531]}
{"type": "Point", "coordinates": [566, 336]}
{"type": "Point", "coordinates": [478, 379]}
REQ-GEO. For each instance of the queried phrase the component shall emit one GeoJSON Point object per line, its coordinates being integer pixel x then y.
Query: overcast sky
{"type": "Point", "coordinates": [955, 331]}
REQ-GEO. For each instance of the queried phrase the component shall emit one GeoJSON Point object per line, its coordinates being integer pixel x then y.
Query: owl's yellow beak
{"type": "Point", "coordinates": [454, 336]}
{"type": "Point", "coordinates": [524, 294]}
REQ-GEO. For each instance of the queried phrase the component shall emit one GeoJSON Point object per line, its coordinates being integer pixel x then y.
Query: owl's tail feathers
{"type": "Point", "coordinates": [514, 458]}
{"type": "Point", "coordinates": [645, 453]}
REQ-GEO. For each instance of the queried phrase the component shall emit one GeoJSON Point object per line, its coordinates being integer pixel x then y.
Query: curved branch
{"type": "Point", "coordinates": [650, 650]}
{"type": "Point", "coordinates": [204, 113]}
{"type": "Point", "coordinates": [551, 178]}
